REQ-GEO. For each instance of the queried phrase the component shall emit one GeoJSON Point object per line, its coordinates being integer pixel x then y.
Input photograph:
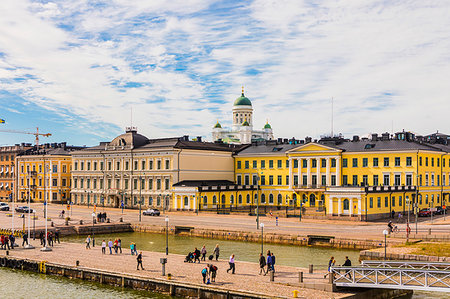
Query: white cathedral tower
{"type": "Point", "coordinates": [242, 129]}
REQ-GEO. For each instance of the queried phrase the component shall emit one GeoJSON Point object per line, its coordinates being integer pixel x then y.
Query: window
{"type": "Point", "coordinates": [270, 180]}
{"type": "Point", "coordinates": [88, 165]}
{"type": "Point", "coordinates": [437, 162]}
{"type": "Point", "coordinates": [135, 182]}
{"type": "Point", "coordinates": [263, 163]}
{"type": "Point", "coordinates": [81, 165]}
{"type": "Point", "coordinates": [248, 198]}
{"type": "Point", "coordinates": [409, 180]}
{"type": "Point", "coordinates": [255, 164]}
{"type": "Point", "coordinates": [296, 163]}
{"type": "Point", "coordinates": [304, 163]}
{"type": "Point", "coordinates": [167, 164]}
{"type": "Point", "coordinates": [238, 165]}
{"type": "Point", "coordinates": [397, 161]}
{"type": "Point", "coordinates": [355, 180]}
{"type": "Point", "coordinates": [117, 165]}
{"type": "Point", "coordinates": [270, 163]}
{"type": "Point", "coordinates": [324, 163]}
{"type": "Point", "coordinates": [426, 179]}
{"type": "Point", "coordinates": [246, 180]}
{"type": "Point", "coordinates": [438, 180]}
{"type": "Point", "coordinates": [55, 182]}
{"type": "Point", "coordinates": [393, 201]}
{"type": "Point", "coordinates": [295, 180]}
{"type": "Point", "coordinates": [247, 164]}
{"type": "Point", "coordinates": [167, 184]}
{"type": "Point", "coordinates": [379, 202]}
{"type": "Point", "coordinates": [240, 199]}
{"type": "Point", "coordinates": [75, 166]}
{"type": "Point", "coordinates": [426, 161]}
{"type": "Point", "coordinates": [279, 180]}
{"type": "Point", "coordinates": [55, 168]}
{"type": "Point", "coordinates": [365, 180]}
{"type": "Point", "coordinates": [386, 161]}
{"type": "Point", "coordinates": [263, 180]}
{"type": "Point", "coordinates": [386, 180]}
{"type": "Point", "coordinates": [408, 161]}
{"type": "Point", "coordinates": [375, 162]}
{"type": "Point", "coordinates": [333, 180]}
{"type": "Point", "coordinates": [375, 180]}
{"type": "Point", "coordinates": [324, 180]}
{"type": "Point", "coordinates": [344, 180]}
{"type": "Point", "coordinates": [150, 164]}
{"type": "Point", "coordinates": [158, 164]}
{"type": "Point", "coordinates": [365, 162]}
{"type": "Point", "coordinates": [254, 179]}
{"type": "Point", "coordinates": [150, 184]}
{"type": "Point", "coordinates": [432, 162]}
{"type": "Point", "coordinates": [420, 180]}
{"type": "Point", "coordinates": [314, 179]}
{"type": "Point", "coordinates": [127, 165]}
{"type": "Point", "coordinates": [432, 179]}
{"type": "Point", "coordinates": [279, 164]}
{"type": "Point", "coordinates": [287, 180]}
{"type": "Point", "coordinates": [333, 162]}
{"type": "Point", "coordinates": [263, 198]}
{"type": "Point", "coordinates": [239, 180]}
{"type": "Point", "coordinates": [279, 199]}
{"type": "Point", "coordinates": [270, 198]}
{"type": "Point", "coordinates": [287, 163]}
{"type": "Point", "coordinates": [344, 162]}
{"type": "Point", "coordinates": [143, 165]}
{"type": "Point", "coordinates": [371, 202]}
{"type": "Point", "coordinates": [314, 163]}
{"type": "Point", "coordinates": [136, 164]}
{"type": "Point", "coordinates": [355, 162]}
{"type": "Point", "coordinates": [158, 184]}
{"type": "Point", "coordinates": [399, 201]}
{"type": "Point", "coordinates": [420, 161]}
{"type": "Point", "coordinates": [126, 183]}
{"type": "Point", "coordinates": [397, 180]}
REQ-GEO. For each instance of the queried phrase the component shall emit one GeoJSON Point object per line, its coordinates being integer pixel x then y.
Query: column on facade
{"type": "Point", "coordinates": [299, 172]}
{"type": "Point", "coordinates": [290, 173]}
{"type": "Point", "coordinates": [195, 202]}
{"type": "Point", "coordinates": [339, 206]}
{"type": "Point", "coordinates": [308, 171]}
{"type": "Point", "coordinates": [330, 206]}
{"type": "Point", "coordinates": [350, 210]}
{"type": "Point", "coordinates": [359, 206]}
{"type": "Point", "coordinates": [318, 179]}
{"type": "Point", "coordinates": [338, 171]}
{"type": "Point", "coordinates": [328, 179]}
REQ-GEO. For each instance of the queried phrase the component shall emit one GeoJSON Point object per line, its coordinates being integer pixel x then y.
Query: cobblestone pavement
{"type": "Point", "coordinates": [246, 277]}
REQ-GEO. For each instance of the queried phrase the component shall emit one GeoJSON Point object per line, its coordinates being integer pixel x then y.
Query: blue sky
{"type": "Point", "coordinates": [76, 69]}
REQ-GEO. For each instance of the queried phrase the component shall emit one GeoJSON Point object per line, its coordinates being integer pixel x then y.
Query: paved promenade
{"type": "Point", "coordinates": [245, 279]}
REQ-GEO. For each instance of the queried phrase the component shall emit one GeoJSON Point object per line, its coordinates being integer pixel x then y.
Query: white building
{"type": "Point", "coordinates": [242, 130]}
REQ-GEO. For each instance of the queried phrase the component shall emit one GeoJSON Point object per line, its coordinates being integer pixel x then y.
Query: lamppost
{"type": "Point", "coordinates": [140, 198]}
{"type": "Point", "coordinates": [29, 246]}
{"type": "Point", "coordinates": [262, 237]}
{"type": "Point", "coordinates": [93, 230]}
{"type": "Point", "coordinates": [258, 179]}
{"type": "Point", "coordinates": [408, 202]}
{"type": "Point", "coordinates": [45, 248]}
{"type": "Point", "coordinates": [34, 225]}
{"type": "Point", "coordinates": [167, 234]}
{"type": "Point", "coordinates": [385, 233]}
{"type": "Point", "coordinates": [301, 209]}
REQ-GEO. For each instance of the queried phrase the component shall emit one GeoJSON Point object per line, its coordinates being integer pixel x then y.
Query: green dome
{"type": "Point", "coordinates": [267, 126]}
{"type": "Point", "coordinates": [242, 101]}
{"type": "Point", "coordinates": [217, 126]}
{"type": "Point", "coordinates": [245, 123]}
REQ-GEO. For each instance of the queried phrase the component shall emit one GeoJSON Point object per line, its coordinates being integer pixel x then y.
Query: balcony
{"type": "Point", "coordinates": [373, 189]}
{"type": "Point", "coordinates": [309, 187]}
{"type": "Point", "coordinates": [33, 173]}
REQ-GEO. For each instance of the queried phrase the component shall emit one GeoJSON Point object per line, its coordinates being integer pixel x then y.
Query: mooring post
{"type": "Point", "coordinates": [311, 269]}
{"type": "Point", "coordinates": [300, 277]}
{"type": "Point", "coordinates": [272, 276]}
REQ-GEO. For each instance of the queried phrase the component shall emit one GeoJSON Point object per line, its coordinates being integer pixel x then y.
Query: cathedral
{"type": "Point", "coordinates": [242, 130]}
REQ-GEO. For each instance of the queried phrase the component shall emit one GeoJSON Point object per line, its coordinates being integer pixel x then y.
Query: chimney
{"type": "Point", "coordinates": [186, 137]}
{"type": "Point", "coordinates": [308, 139]}
{"type": "Point", "coordinates": [385, 136]}
{"type": "Point", "coordinates": [199, 138]}
{"type": "Point", "coordinates": [374, 137]}
{"type": "Point", "coordinates": [355, 138]}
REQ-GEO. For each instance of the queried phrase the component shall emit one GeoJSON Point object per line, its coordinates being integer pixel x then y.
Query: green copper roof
{"type": "Point", "coordinates": [245, 123]}
{"type": "Point", "coordinates": [217, 126]}
{"type": "Point", "coordinates": [242, 101]}
{"type": "Point", "coordinates": [267, 126]}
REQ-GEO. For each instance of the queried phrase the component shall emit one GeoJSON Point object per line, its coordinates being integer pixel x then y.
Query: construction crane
{"type": "Point", "coordinates": [36, 134]}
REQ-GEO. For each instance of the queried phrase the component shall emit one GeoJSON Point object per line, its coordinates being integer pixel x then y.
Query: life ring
{"type": "Point", "coordinates": [3, 261]}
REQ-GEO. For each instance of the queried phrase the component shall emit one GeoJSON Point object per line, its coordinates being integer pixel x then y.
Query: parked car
{"type": "Point", "coordinates": [24, 209]}
{"type": "Point", "coordinates": [4, 206]}
{"type": "Point", "coordinates": [151, 212]}
{"type": "Point", "coordinates": [440, 211]}
{"type": "Point", "coordinates": [425, 212]}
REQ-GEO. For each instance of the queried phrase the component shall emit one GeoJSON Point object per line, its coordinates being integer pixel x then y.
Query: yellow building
{"type": "Point", "coordinates": [8, 169]}
{"type": "Point", "coordinates": [359, 179]}
{"type": "Point", "coordinates": [132, 169]}
{"type": "Point", "coordinates": [45, 173]}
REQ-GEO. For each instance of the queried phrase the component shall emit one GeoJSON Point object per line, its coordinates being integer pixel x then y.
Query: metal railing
{"type": "Point", "coordinates": [407, 265]}
{"type": "Point", "coordinates": [391, 278]}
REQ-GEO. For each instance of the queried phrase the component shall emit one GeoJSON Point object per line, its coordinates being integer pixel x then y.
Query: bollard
{"type": "Point", "coordinates": [67, 221]}
{"type": "Point", "coordinates": [330, 277]}
{"type": "Point", "coordinates": [7, 252]}
{"type": "Point", "coordinates": [77, 263]}
{"type": "Point", "coordinates": [311, 268]}
{"type": "Point", "coordinates": [107, 220]}
{"type": "Point", "coordinates": [429, 231]}
{"type": "Point", "coordinates": [81, 222]}
{"type": "Point", "coordinates": [272, 276]}
{"type": "Point", "coordinates": [163, 269]}
{"type": "Point", "coordinates": [276, 220]}
{"type": "Point", "coordinates": [300, 277]}
{"type": "Point", "coordinates": [52, 224]}
{"type": "Point", "coordinates": [120, 219]}
{"type": "Point", "coordinates": [295, 293]}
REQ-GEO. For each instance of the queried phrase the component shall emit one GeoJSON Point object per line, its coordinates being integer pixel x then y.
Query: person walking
{"type": "Point", "coordinates": [205, 273]}
{"type": "Point", "coordinates": [262, 264]}
{"type": "Point", "coordinates": [7, 243]}
{"type": "Point", "coordinates": [57, 234]}
{"type": "Point", "coordinates": [119, 245]}
{"type": "Point", "coordinates": [132, 248]}
{"type": "Point", "coordinates": [213, 272]}
{"type": "Point", "coordinates": [216, 252]}
{"type": "Point", "coordinates": [196, 255]}
{"type": "Point", "coordinates": [12, 240]}
{"type": "Point", "coordinates": [110, 245]}
{"type": "Point", "coordinates": [41, 237]}
{"type": "Point", "coordinates": [269, 261]}
{"type": "Point", "coordinates": [50, 238]}
{"type": "Point", "coordinates": [393, 215]}
{"type": "Point", "coordinates": [273, 262]}
{"type": "Point", "coordinates": [88, 242]}
{"type": "Point", "coordinates": [331, 263]}
{"type": "Point", "coordinates": [203, 252]}
{"type": "Point", "coordinates": [347, 263]}
{"type": "Point", "coordinates": [139, 260]}
{"type": "Point", "coordinates": [116, 246]}
{"type": "Point", "coordinates": [103, 247]}
{"type": "Point", "coordinates": [24, 239]}
{"type": "Point", "coordinates": [232, 265]}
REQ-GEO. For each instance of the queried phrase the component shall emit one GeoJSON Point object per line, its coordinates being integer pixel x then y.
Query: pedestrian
{"type": "Point", "coordinates": [119, 245]}
{"type": "Point", "coordinates": [103, 247]}
{"type": "Point", "coordinates": [203, 252]}
{"type": "Point", "coordinates": [232, 265]}
{"type": "Point", "coordinates": [50, 238]}
{"type": "Point", "coordinates": [24, 239]}
{"type": "Point", "coordinates": [269, 261]}
{"type": "Point", "coordinates": [262, 264]}
{"type": "Point", "coordinates": [400, 217]}
{"type": "Point", "coordinates": [132, 248]}
{"type": "Point", "coordinates": [2, 240]}
{"type": "Point", "coordinates": [7, 243]}
{"type": "Point", "coordinates": [205, 273]}
{"type": "Point", "coordinates": [347, 263]}
{"type": "Point", "coordinates": [88, 242]}
{"type": "Point", "coordinates": [273, 262]}
{"type": "Point", "coordinates": [12, 240]}
{"type": "Point", "coordinates": [393, 215]}
{"type": "Point", "coordinates": [213, 272]}
{"type": "Point", "coordinates": [135, 248]}
{"type": "Point", "coordinates": [41, 237]}
{"type": "Point", "coordinates": [116, 246]}
{"type": "Point", "coordinates": [57, 233]}
{"type": "Point", "coordinates": [216, 252]}
{"type": "Point", "coordinates": [196, 255]}
{"type": "Point", "coordinates": [110, 245]}
{"type": "Point", "coordinates": [139, 260]}
{"type": "Point", "coordinates": [331, 263]}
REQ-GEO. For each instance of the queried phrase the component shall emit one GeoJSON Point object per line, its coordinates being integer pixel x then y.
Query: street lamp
{"type": "Point", "coordinates": [46, 247]}
{"type": "Point", "coordinates": [29, 246]}
{"type": "Point", "coordinates": [93, 230]}
{"type": "Point", "coordinates": [167, 234]}
{"type": "Point", "coordinates": [385, 233]}
{"type": "Point", "coordinates": [262, 237]}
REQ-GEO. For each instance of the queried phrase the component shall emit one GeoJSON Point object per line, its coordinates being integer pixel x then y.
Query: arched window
{"type": "Point", "coordinates": [214, 200]}
{"type": "Point", "coordinates": [263, 198]}
{"type": "Point", "coordinates": [280, 200]}
{"type": "Point", "coordinates": [240, 198]}
{"type": "Point", "coordinates": [205, 200]}
{"type": "Point", "coordinates": [223, 199]}
{"type": "Point", "coordinates": [232, 199]}
{"type": "Point", "coordinates": [271, 198]}
{"type": "Point", "coordinates": [305, 198]}
{"type": "Point", "coordinates": [346, 205]}
{"type": "Point", "coordinates": [186, 201]}
{"type": "Point", "coordinates": [312, 200]}
{"type": "Point", "coordinates": [248, 198]}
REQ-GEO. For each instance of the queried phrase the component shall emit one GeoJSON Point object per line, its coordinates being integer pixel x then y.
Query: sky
{"type": "Point", "coordinates": [84, 70]}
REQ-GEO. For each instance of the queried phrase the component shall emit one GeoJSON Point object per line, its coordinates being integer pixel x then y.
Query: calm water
{"type": "Point", "coordinates": [289, 255]}
{"type": "Point", "coordinates": [23, 284]}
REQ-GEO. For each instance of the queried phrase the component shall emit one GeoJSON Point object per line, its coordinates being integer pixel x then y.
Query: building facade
{"type": "Point", "coordinates": [44, 173]}
{"type": "Point", "coordinates": [242, 131]}
{"type": "Point", "coordinates": [133, 171]}
{"type": "Point", "coordinates": [8, 169]}
{"type": "Point", "coordinates": [357, 179]}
